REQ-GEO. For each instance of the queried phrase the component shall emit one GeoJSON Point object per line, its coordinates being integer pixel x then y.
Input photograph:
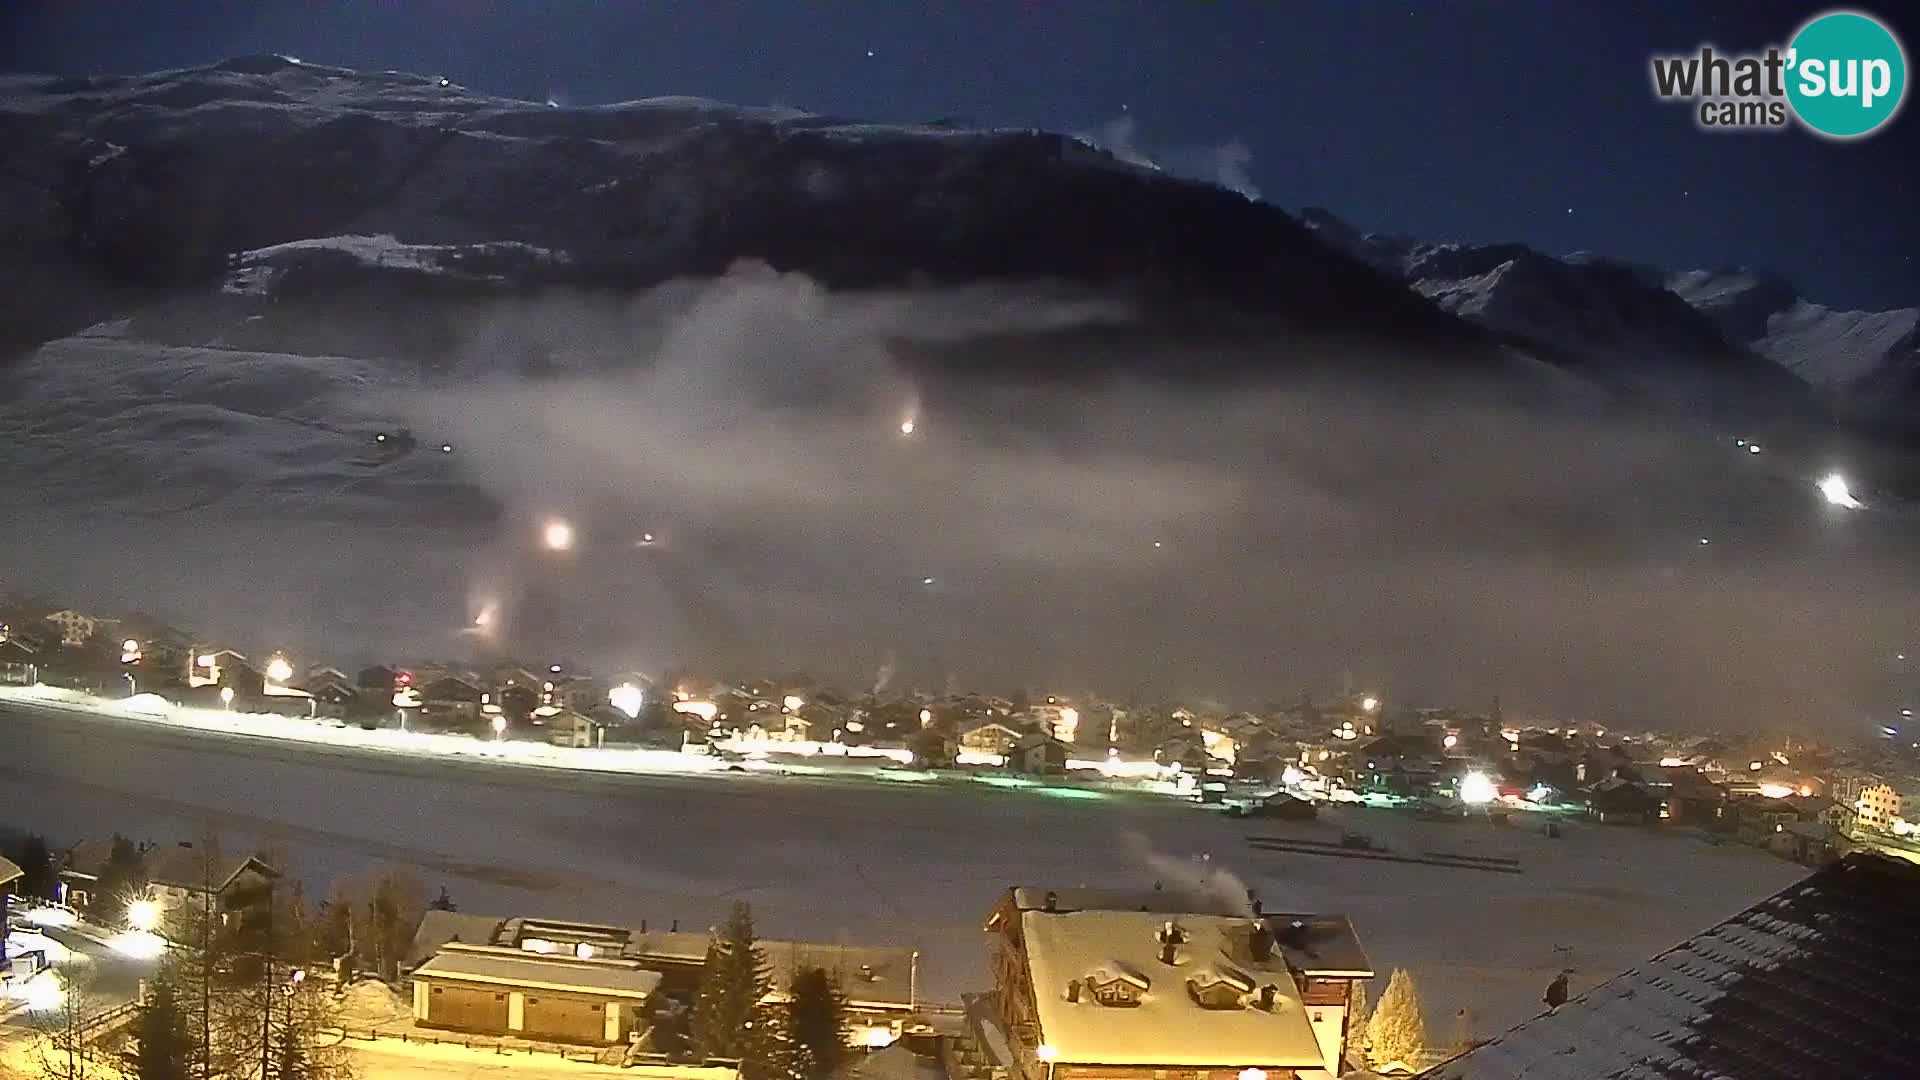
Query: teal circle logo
{"type": "Point", "coordinates": [1847, 74]}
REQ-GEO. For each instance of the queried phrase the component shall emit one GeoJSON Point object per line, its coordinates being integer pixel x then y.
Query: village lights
{"type": "Point", "coordinates": [1368, 704]}
{"type": "Point", "coordinates": [226, 697]}
{"type": "Point", "coordinates": [1450, 742]}
{"type": "Point", "coordinates": [499, 728]}
{"type": "Point", "coordinates": [557, 535]}
{"type": "Point", "coordinates": [926, 717]}
{"type": "Point", "coordinates": [278, 670]}
{"type": "Point", "coordinates": [907, 426]}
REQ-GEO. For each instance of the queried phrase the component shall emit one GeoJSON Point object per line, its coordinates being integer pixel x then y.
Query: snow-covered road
{"type": "Point", "coordinates": [912, 864]}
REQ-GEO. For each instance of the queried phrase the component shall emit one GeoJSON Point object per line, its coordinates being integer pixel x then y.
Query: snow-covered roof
{"type": "Point", "coordinates": [871, 976]}
{"type": "Point", "coordinates": [511, 967]}
{"type": "Point", "coordinates": [1174, 901]}
{"type": "Point", "coordinates": [1321, 945]}
{"type": "Point", "coordinates": [1821, 979]}
{"type": "Point", "coordinates": [439, 927]}
{"type": "Point", "coordinates": [1168, 1027]}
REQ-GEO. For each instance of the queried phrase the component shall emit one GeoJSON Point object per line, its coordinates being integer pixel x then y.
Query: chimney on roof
{"type": "Point", "coordinates": [1171, 937]}
{"type": "Point", "coordinates": [1073, 991]}
{"type": "Point", "coordinates": [1267, 993]}
{"type": "Point", "coordinates": [1052, 902]}
{"type": "Point", "coordinates": [1261, 943]}
{"type": "Point", "coordinates": [643, 926]}
{"type": "Point", "coordinates": [676, 927]}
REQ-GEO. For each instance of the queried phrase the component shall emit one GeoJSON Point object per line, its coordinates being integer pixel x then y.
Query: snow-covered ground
{"type": "Point", "coordinates": [913, 864]}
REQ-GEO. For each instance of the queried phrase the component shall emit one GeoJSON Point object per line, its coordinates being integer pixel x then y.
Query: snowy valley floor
{"type": "Point", "coordinates": [863, 862]}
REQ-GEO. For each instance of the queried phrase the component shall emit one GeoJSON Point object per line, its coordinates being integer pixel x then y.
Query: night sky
{"type": "Point", "coordinates": [1477, 122]}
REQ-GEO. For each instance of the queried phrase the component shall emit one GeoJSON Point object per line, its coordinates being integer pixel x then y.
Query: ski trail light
{"type": "Point", "coordinates": [1833, 488]}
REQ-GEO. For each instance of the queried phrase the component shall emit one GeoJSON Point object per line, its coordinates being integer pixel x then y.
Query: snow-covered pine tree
{"type": "Point", "coordinates": [1357, 1017]}
{"type": "Point", "coordinates": [1397, 1032]}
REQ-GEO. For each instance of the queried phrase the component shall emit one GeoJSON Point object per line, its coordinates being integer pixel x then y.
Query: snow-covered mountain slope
{"type": "Point", "coordinates": [1870, 357]}
{"type": "Point", "coordinates": [1622, 316]}
{"type": "Point", "coordinates": [1598, 315]}
{"type": "Point", "coordinates": [163, 181]}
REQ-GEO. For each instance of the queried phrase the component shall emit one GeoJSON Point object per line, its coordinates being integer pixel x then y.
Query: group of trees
{"type": "Point", "coordinates": [237, 996]}
{"type": "Point", "coordinates": [231, 1001]}
{"type": "Point", "coordinates": [801, 1035]}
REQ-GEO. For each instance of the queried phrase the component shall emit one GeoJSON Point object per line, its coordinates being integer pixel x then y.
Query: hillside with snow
{"type": "Point", "coordinates": [1869, 358]}
{"type": "Point", "coordinates": [1639, 323]}
{"type": "Point", "coordinates": [122, 187]}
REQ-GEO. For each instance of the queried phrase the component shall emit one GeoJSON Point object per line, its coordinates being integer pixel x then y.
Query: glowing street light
{"type": "Point", "coordinates": [557, 535]}
{"type": "Point", "coordinates": [278, 669]}
{"type": "Point", "coordinates": [1450, 742]}
{"type": "Point", "coordinates": [1833, 488]}
{"type": "Point", "coordinates": [1477, 789]}
{"type": "Point", "coordinates": [143, 915]}
{"type": "Point", "coordinates": [926, 717]}
{"type": "Point", "coordinates": [226, 697]}
{"type": "Point", "coordinates": [1368, 704]}
{"type": "Point", "coordinates": [499, 728]}
{"type": "Point", "coordinates": [907, 426]}
{"type": "Point", "coordinates": [628, 698]}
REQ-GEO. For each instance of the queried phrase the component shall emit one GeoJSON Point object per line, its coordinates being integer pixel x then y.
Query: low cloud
{"type": "Point", "coordinates": [1151, 538]}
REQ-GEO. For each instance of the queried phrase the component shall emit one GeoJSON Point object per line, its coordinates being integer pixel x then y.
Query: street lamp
{"type": "Point", "coordinates": [278, 669]}
{"type": "Point", "coordinates": [499, 728]}
{"type": "Point", "coordinates": [226, 697]}
{"type": "Point", "coordinates": [143, 915]}
{"type": "Point", "coordinates": [1476, 789]}
{"type": "Point", "coordinates": [557, 535]}
{"type": "Point", "coordinates": [1368, 704]}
